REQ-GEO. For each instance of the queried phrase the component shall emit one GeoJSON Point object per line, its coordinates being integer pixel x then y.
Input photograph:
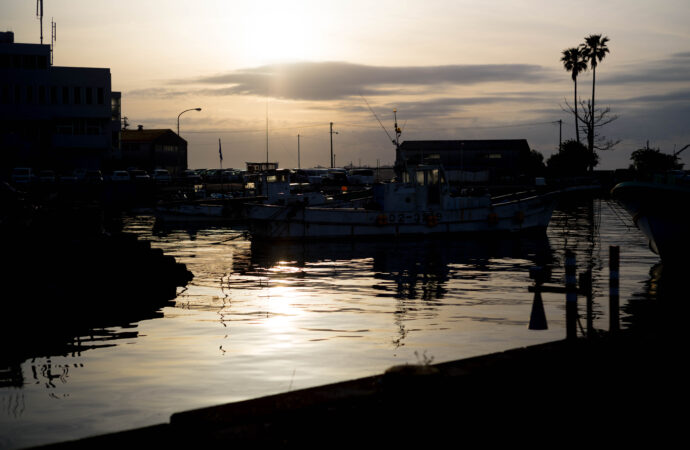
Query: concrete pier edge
{"type": "Point", "coordinates": [555, 384]}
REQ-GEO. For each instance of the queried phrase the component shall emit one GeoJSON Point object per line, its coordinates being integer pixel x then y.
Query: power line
{"type": "Point", "coordinates": [361, 125]}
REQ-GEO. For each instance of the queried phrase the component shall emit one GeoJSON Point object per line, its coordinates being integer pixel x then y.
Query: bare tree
{"type": "Point", "coordinates": [591, 122]}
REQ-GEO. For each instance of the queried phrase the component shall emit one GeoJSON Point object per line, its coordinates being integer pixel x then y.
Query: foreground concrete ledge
{"type": "Point", "coordinates": [558, 383]}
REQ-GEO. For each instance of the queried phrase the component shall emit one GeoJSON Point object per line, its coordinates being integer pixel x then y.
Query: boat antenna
{"type": "Point", "coordinates": [678, 152]}
{"type": "Point", "coordinates": [398, 131]}
{"type": "Point", "coordinates": [377, 118]}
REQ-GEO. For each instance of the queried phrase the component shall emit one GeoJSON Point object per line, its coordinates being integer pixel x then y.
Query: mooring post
{"type": "Point", "coordinates": [570, 296]}
{"type": "Point", "coordinates": [586, 288]}
{"type": "Point", "coordinates": [614, 281]}
{"type": "Point", "coordinates": [537, 320]}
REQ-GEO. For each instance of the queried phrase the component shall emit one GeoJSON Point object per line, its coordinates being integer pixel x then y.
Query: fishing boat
{"type": "Point", "coordinates": [659, 210]}
{"type": "Point", "coordinates": [422, 203]}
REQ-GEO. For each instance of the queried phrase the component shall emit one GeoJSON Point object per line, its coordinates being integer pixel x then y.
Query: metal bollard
{"type": "Point", "coordinates": [614, 282]}
{"type": "Point", "coordinates": [570, 296]}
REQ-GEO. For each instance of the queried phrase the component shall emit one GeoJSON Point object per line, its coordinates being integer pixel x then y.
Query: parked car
{"type": "Point", "coordinates": [232, 176]}
{"type": "Point", "coordinates": [191, 176]}
{"type": "Point", "coordinates": [46, 176]}
{"type": "Point", "coordinates": [80, 174]}
{"type": "Point", "coordinates": [22, 175]}
{"type": "Point", "coordinates": [139, 175]}
{"type": "Point", "coordinates": [93, 177]}
{"type": "Point", "coordinates": [361, 176]}
{"type": "Point", "coordinates": [67, 178]}
{"type": "Point", "coordinates": [161, 176]}
{"type": "Point", "coordinates": [119, 176]}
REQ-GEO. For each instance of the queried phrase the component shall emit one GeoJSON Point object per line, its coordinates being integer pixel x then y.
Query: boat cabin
{"type": "Point", "coordinates": [421, 188]}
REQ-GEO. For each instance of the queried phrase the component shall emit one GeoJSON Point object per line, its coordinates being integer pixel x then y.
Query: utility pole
{"type": "Point", "coordinates": [560, 133]}
{"type": "Point", "coordinates": [298, 166]}
{"type": "Point", "coordinates": [332, 159]}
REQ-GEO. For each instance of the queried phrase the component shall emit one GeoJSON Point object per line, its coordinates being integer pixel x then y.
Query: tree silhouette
{"type": "Point", "coordinates": [573, 158]}
{"type": "Point", "coordinates": [650, 160]}
{"type": "Point", "coordinates": [574, 62]}
{"type": "Point", "coordinates": [594, 49]}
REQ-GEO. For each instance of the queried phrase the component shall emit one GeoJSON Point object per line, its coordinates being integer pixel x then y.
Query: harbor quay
{"type": "Point", "coordinates": [620, 385]}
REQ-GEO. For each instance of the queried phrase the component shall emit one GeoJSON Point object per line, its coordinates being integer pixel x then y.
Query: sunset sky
{"type": "Point", "coordinates": [453, 69]}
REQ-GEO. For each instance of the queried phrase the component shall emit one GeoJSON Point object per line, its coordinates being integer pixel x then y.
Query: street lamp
{"type": "Point", "coordinates": [178, 117]}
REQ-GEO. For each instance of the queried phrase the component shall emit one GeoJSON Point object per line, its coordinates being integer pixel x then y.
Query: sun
{"type": "Point", "coordinates": [279, 31]}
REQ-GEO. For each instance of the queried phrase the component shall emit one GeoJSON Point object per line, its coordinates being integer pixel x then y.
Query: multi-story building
{"type": "Point", "coordinates": [54, 117]}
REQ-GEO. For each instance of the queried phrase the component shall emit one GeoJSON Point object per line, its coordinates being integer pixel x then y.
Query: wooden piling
{"type": "Point", "coordinates": [614, 281]}
{"type": "Point", "coordinates": [586, 289]}
{"type": "Point", "coordinates": [570, 296]}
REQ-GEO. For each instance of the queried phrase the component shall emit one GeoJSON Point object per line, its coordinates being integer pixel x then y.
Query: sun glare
{"type": "Point", "coordinates": [279, 31]}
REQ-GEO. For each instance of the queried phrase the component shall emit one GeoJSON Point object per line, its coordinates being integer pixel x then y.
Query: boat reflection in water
{"type": "Point", "coordinates": [411, 263]}
{"type": "Point", "coordinates": [425, 278]}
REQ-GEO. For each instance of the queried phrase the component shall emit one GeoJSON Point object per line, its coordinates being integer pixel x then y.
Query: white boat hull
{"type": "Point", "coordinates": [296, 222]}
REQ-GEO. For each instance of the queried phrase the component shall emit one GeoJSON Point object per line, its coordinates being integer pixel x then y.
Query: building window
{"type": "Point", "coordinates": [17, 94]}
{"type": "Point", "coordinates": [89, 96]}
{"type": "Point", "coordinates": [65, 95]}
{"type": "Point", "coordinates": [53, 95]}
{"type": "Point", "coordinates": [77, 95]}
{"type": "Point", "coordinates": [101, 96]}
{"type": "Point", "coordinates": [42, 95]}
{"type": "Point", "coordinates": [29, 94]}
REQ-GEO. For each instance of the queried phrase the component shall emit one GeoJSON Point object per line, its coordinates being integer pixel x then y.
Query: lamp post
{"type": "Point", "coordinates": [178, 117]}
{"type": "Point", "coordinates": [332, 133]}
{"type": "Point", "coordinates": [178, 134]}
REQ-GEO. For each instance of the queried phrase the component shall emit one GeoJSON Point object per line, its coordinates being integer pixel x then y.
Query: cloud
{"type": "Point", "coordinates": [675, 68]}
{"type": "Point", "coordinates": [316, 81]}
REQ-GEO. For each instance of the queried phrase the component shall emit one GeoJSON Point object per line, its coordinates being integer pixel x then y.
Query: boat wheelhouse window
{"type": "Point", "coordinates": [429, 176]}
{"type": "Point", "coordinates": [433, 176]}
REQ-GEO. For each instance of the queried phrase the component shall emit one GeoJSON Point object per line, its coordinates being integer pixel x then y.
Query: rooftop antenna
{"type": "Point", "coordinates": [53, 38]}
{"type": "Point", "coordinates": [39, 14]}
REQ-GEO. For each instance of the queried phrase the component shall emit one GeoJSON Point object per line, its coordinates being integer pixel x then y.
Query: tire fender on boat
{"type": "Point", "coordinates": [431, 220]}
{"type": "Point", "coordinates": [492, 218]}
{"type": "Point", "coordinates": [519, 217]}
{"type": "Point", "coordinates": [381, 219]}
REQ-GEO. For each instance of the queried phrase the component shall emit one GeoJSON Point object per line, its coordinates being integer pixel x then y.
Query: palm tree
{"type": "Point", "coordinates": [595, 50]}
{"type": "Point", "coordinates": [574, 62]}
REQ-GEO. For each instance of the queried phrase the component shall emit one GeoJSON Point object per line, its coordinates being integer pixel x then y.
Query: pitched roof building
{"type": "Point", "coordinates": [470, 161]}
{"type": "Point", "coordinates": [153, 149]}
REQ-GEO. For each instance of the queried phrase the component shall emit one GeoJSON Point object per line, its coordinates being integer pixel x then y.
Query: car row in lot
{"type": "Point", "coordinates": [26, 175]}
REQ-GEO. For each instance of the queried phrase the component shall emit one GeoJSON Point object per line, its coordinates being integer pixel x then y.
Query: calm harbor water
{"type": "Point", "coordinates": [258, 320]}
